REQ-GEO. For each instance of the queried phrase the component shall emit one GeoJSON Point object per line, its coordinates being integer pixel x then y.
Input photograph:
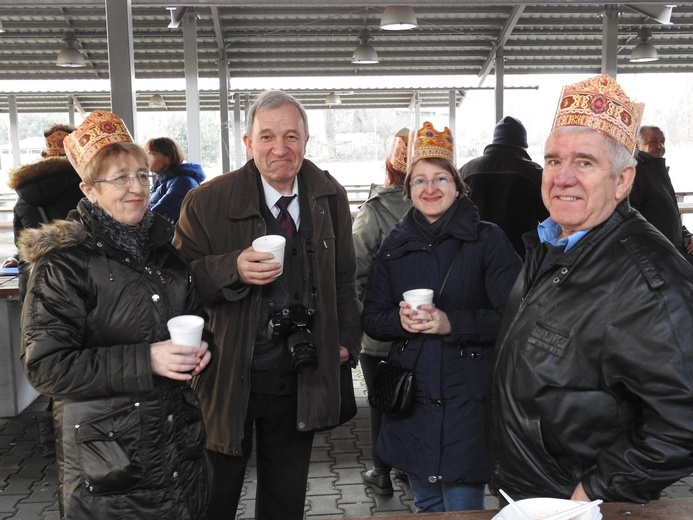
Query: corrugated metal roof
{"type": "Point", "coordinates": [317, 39]}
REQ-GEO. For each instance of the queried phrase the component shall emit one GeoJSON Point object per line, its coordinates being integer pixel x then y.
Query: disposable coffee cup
{"type": "Point", "coordinates": [417, 297]}
{"type": "Point", "coordinates": [271, 244]}
{"type": "Point", "coordinates": [186, 330]}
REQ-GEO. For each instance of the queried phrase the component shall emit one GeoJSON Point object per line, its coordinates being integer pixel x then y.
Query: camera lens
{"type": "Point", "coordinates": [304, 356]}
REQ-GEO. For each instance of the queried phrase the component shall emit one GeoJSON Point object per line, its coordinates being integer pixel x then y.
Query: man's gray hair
{"type": "Point", "coordinates": [270, 99]}
{"type": "Point", "coordinates": [620, 156]}
{"type": "Point", "coordinates": [645, 129]}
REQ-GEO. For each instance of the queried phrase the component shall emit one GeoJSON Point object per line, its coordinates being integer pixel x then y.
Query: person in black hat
{"type": "Point", "coordinates": [505, 183]}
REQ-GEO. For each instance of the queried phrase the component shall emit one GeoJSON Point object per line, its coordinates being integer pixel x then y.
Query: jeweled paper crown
{"type": "Point", "coordinates": [600, 103]}
{"type": "Point", "coordinates": [428, 143]}
{"type": "Point", "coordinates": [398, 153]}
{"type": "Point", "coordinates": [99, 130]}
{"type": "Point", "coordinates": [55, 136]}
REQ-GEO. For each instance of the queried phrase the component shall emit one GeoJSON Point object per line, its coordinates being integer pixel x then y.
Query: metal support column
{"type": "Point", "coordinates": [14, 130]}
{"type": "Point", "coordinates": [452, 115]}
{"type": "Point", "coordinates": [610, 41]}
{"type": "Point", "coordinates": [500, 76]}
{"type": "Point", "coordinates": [121, 62]}
{"type": "Point", "coordinates": [192, 94]}
{"type": "Point", "coordinates": [237, 141]}
{"type": "Point", "coordinates": [224, 112]}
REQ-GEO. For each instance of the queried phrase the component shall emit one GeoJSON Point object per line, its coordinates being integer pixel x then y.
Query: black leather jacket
{"type": "Point", "coordinates": [129, 444]}
{"type": "Point", "coordinates": [593, 375]}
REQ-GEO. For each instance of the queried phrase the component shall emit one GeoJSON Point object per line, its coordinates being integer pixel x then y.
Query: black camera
{"type": "Point", "coordinates": [293, 325]}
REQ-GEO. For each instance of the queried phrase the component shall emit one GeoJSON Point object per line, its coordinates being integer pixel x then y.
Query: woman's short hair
{"type": "Point", "coordinates": [460, 186]}
{"type": "Point", "coordinates": [167, 147]}
{"type": "Point", "coordinates": [270, 99]}
{"type": "Point", "coordinates": [113, 151]}
{"type": "Point", "coordinates": [394, 176]}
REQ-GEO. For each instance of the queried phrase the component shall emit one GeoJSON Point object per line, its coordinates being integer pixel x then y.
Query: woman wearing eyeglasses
{"type": "Point", "coordinates": [440, 244]}
{"type": "Point", "coordinates": [103, 284]}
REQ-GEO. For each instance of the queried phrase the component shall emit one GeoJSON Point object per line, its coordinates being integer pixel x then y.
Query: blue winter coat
{"type": "Point", "coordinates": [167, 194]}
{"type": "Point", "coordinates": [443, 436]}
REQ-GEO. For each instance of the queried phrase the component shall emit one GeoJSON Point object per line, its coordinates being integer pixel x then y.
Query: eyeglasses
{"type": "Point", "coordinates": [438, 182]}
{"type": "Point", "coordinates": [126, 180]}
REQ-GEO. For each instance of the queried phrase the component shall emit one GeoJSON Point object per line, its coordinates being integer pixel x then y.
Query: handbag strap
{"type": "Point", "coordinates": [442, 286]}
{"type": "Point", "coordinates": [447, 275]}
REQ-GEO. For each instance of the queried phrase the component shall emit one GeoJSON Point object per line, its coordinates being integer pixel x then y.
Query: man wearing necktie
{"type": "Point", "coordinates": [266, 378]}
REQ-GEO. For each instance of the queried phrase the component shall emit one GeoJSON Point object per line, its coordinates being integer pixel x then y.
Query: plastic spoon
{"type": "Point", "coordinates": [515, 507]}
{"type": "Point", "coordinates": [570, 513]}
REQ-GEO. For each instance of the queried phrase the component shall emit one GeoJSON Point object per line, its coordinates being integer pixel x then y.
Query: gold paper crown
{"type": "Point", "coordinates": [99, 130]}
{"type": "Point", "coordinates": [54, 140]}
{"type": "Point", "coordinates": [398, 153]}
{"type": "Point", "coordinates": [428, 143]}
{"type": "Point", "coordinates": [600, 103]}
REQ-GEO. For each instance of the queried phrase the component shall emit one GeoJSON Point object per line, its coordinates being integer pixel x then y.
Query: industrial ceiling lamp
{"type": "Point", "coordinates": [644, 51]}
{"type": "Point", "coordinates": [398, 18]}
{"type": "Point", "coordinates": [364, 53]}
{"type": "Point", "coordinates": [333, 99]}
{"type": "Point", "coordinates": [157, 101]}
{"type": "Point", "coordinates": [70, 56]}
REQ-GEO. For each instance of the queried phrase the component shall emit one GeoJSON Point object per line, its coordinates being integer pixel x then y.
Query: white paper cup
{"type": "Point", "coordinates": [417, 297]}
{"type": "Point", "coordinates": [271, 244]}
{"type": "Point", "coordinates": [186, 330]}
{"type": "Point", "coordinates": [536, 508]}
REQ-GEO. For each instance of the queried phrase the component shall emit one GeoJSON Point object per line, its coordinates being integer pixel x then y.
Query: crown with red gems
{"type": "Point", "coordinates": [429, 143]}
{"type": "Point", "coordinates": [55, 136]}
{"type": "Point", "coordinates": [600, 103]}
{"type": "Point", "coordinates": [398, 153]}
{"type": "Point", "coordinates": [99, 130]}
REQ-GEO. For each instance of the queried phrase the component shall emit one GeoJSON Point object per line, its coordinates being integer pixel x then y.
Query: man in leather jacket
{"type": "Point", "coordinates": [592, 396]}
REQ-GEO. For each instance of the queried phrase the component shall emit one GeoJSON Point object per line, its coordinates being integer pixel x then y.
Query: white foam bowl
{"type": "Point", "coordinates": [538, 508]}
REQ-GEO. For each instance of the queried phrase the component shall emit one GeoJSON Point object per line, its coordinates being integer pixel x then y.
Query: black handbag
{"type": "Point", "coordinates": [392, 390]}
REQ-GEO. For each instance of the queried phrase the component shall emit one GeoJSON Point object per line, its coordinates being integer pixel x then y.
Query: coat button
{"type": "Point", "coordinates": [564, 270]}
{"type": "Point", "coordinates": [175, 474]}
{"type": "Point", "coordinates": [155, 298]}
{"type": "Point", "coordinates": [438, 402]}
{"type": "Point", "coordinates": [301, 425]}
{"type": "Point", "coordinates": [556, 280]}
{"type": "Point", "coordinates": [170, 418]}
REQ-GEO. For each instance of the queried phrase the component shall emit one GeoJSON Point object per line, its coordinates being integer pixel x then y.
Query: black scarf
{"type": "Point", "coordinates": [433, 231]}
{"type": "Point", "coordinates": [129, 238]}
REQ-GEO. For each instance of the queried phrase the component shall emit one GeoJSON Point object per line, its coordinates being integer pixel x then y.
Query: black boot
{"type": "Point", "coordinates": [379, 480]}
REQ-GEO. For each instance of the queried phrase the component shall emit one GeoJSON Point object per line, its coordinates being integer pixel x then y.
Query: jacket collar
{"type": "Point", "coordinates": [464, 226]}
{"type": "Point", "coordinates": [242, 204]}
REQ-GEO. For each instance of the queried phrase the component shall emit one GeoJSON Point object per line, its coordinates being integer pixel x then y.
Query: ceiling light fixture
{"type": "Point", "coordinates": [157, 101]}
{"type": "Point", "coordinates": [70, 55]}
{"type": "Point", "coordinates": [333, 99]}
{"type": "Point", "coordinates": [364, 53]}
{"type": "Point", "coordinates": [2, 29]}
{"type": "Point", "coordinates": [398, 18]}
{"type": "Point", "coordinates": [644, 51]}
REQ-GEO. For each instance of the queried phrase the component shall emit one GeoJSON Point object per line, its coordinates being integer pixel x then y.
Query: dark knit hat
{"type": "Point", "coordinates": [510, 131]}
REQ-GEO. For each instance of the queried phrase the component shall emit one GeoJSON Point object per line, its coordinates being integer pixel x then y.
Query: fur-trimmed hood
{"type": "Point", "coordinates": [35, 243]}
{"type": "Point", "coordinates": [43, 182]}
{"type": "Point", "coordinates": [36, 171]}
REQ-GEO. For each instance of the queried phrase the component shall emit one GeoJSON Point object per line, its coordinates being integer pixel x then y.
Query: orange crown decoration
{"type": "Point", "coordinates": [398, 153]}
{"type": "Point", "coordinates": [428, 143]}
{"type": "Point", "coordinates": [99, 130]}
{"type": "Point", "coordinates": [600, 103]}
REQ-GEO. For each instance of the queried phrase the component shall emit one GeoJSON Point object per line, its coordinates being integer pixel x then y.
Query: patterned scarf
{"type": "Point", "coordinates": [129, 238]}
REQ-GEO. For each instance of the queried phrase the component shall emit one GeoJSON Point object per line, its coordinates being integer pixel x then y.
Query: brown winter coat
{"type": "Point", "coordinates": [218, 221]}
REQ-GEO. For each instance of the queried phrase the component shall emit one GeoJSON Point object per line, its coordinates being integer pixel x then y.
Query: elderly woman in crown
{"type": "Point", "coordinates": [103, 284]}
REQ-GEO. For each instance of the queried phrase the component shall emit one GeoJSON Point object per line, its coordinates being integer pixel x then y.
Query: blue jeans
{"type": "Point", "coordinates": [443, 496]}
